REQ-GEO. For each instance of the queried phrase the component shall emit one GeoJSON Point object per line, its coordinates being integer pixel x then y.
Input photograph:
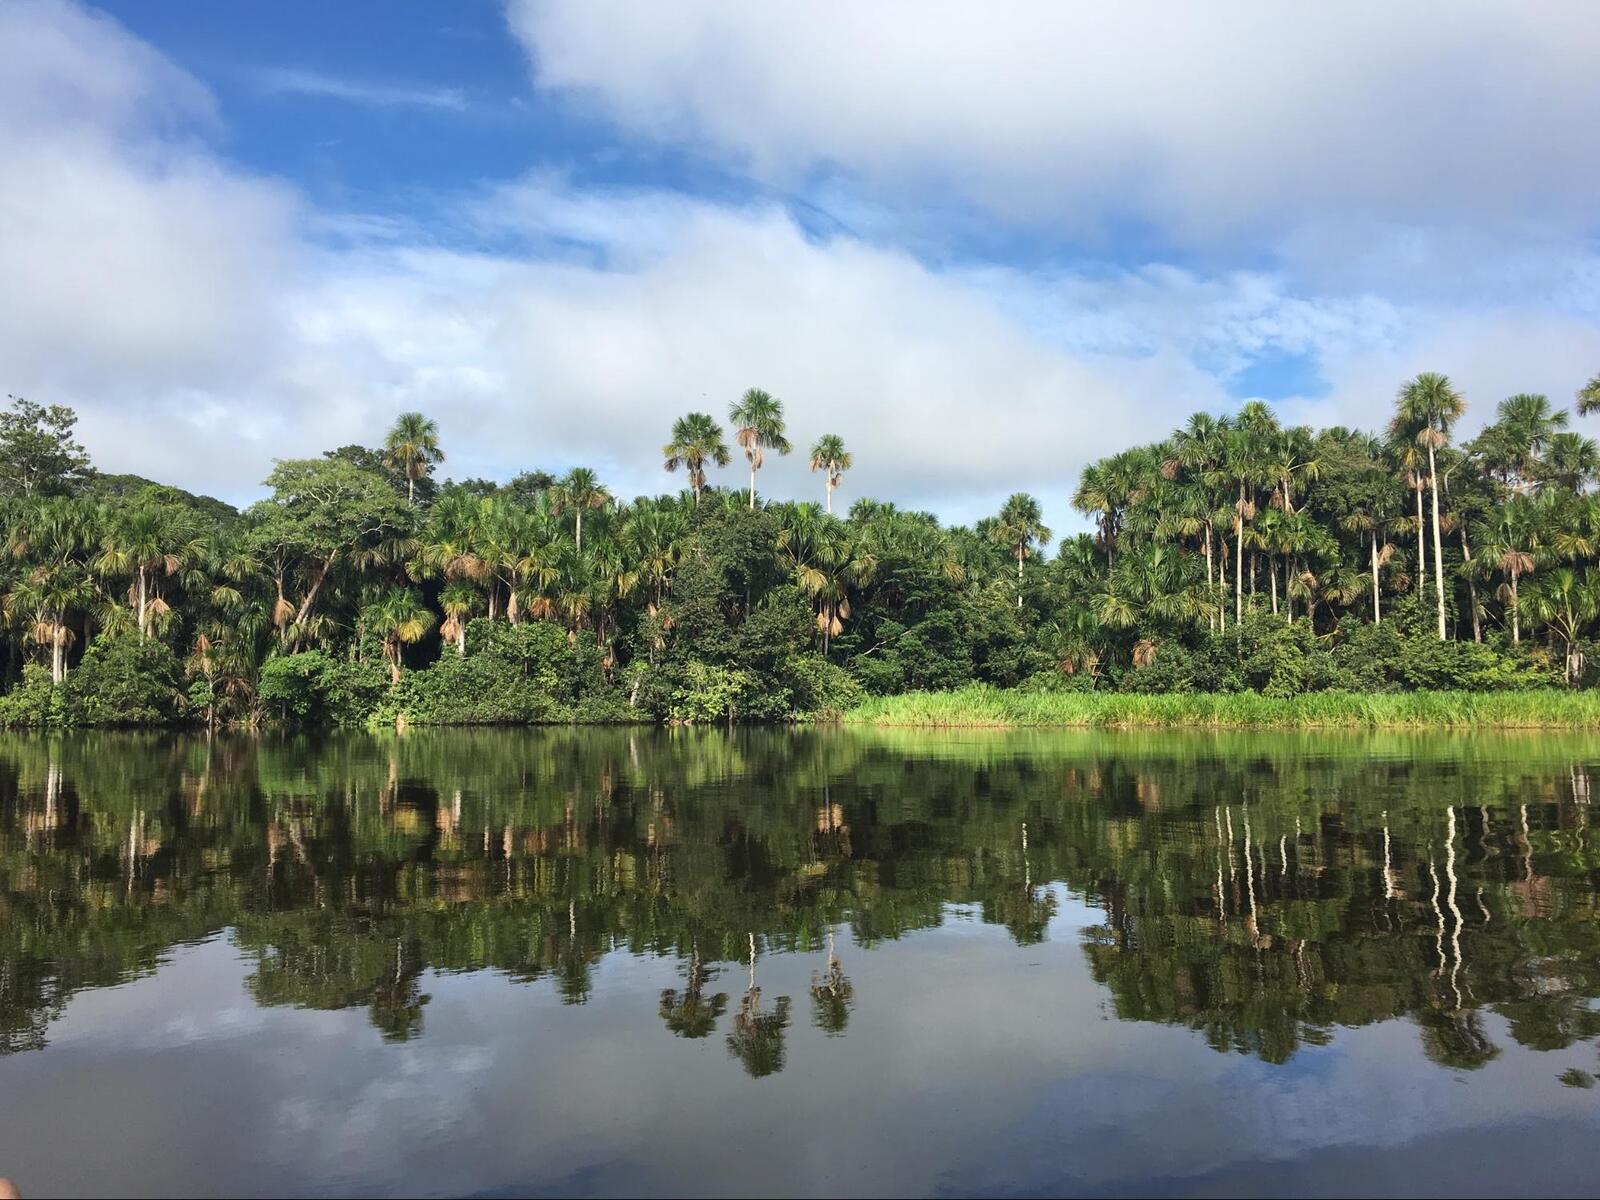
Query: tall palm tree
{"type": "Point", "coordinates": [1247, 462]}
{"type": "Point", "coordinates": [1409, 459]}
{"type": "Point", "coordinates": [1430, 406]}
{"type": "Point", "coordinates": [829, 456]}
{"type": "Point", "coordinates": [581, 489]}
{"type": "Point", "coordinates": [1019, 527]}
{"type": "Point", "coordinates": [696, 439]}
{"type": "Point", "coordinates": [1197, 453]}
{"type": "Point", "coordinates": [412, 448]}
{"type": "Point", "coordinates": [758, 426]}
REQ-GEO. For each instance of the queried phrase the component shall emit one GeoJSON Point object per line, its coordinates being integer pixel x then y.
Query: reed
{"type": "Point", "coordinates": [983, 706]}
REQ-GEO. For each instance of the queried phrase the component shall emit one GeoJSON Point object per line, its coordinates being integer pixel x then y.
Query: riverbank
{"type": "Point", "coordinates": [998, 708]}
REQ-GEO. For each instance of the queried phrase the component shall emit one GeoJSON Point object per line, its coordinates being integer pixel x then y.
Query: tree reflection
{"type": "Point", "coordinates": [1262, 891]}
{"type": "Point", "coordinates": [757, 1036]}
{"type": "Point", "coordinates": [691, 1013]}
{"type": "Point", "coordinates": [832, 995]}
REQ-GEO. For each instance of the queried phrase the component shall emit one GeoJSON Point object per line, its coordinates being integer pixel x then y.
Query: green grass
{"type": "Point", "coordinates": [998, 708]}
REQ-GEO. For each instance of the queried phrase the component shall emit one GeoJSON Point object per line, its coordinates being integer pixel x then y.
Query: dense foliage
{"type": "Point", "coordinates": [1237, 555]}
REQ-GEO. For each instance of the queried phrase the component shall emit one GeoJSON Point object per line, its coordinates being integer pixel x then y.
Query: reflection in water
{"type": "Point", "coordinates": [832, 994]}
{"type": "Point", "coordinates": [1262, 891]}
{"type": "Point", "coordinates": [757, 1036]}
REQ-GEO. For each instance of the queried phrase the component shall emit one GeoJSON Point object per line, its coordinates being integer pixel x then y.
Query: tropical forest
{"type": "Point", "coordinates": [1239, 555]}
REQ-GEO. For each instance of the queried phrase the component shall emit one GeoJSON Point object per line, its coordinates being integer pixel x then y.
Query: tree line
{"type": "Point", "coordinates": [1237, 553]}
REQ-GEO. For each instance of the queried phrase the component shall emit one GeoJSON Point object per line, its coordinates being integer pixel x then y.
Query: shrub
{"type": "Point", "coordinates": [313, 687]}
{"type": "Point", "coordinates": [822, 687]}
{"type": "Point", "coordinates": [706, 693]}
{"type": "Point", "coordinates": [33, 703]}
{"type": "Point", "coordinates": [124, 681]}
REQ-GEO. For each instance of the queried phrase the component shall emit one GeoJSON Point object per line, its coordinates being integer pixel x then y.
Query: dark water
{"type": "Point", "coordinates": [799, 962]}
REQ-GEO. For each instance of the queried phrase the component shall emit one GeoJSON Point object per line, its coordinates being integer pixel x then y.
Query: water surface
{"type": "Point", "coordinates": [667, 962]}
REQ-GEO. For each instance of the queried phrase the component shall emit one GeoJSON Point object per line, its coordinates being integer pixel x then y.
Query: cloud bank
{"type": "Point", "coordinates": [205, 319]}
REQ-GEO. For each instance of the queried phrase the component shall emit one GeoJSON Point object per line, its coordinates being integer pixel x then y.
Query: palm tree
{"type": "Point", "coordinates": [1509, 542]}
{"type": "Point", "coordinates": [1430, 405]}
{"type": "Point", "coordinates": [580, 489]}
{"type": "Point", "coordinates": [399, 618]}
{"type": "Point", "coordinates": [1019, 526]}
{"type": "Point", "coordinates": [829, 558]}
{"type": "Point", "coordinates": [146, 541]}
{"type": "Point", "coordinates": [830, 457]}
{"type": "Point", "coordinates": [51, 538]}
{"type": "Point", "coordinates": [1197, 452]}
{"type": "Point", "coordinates": [696, 438]}
{"type": "Point", "coordinates": [758, 426]}
{"type": "Point", "coordinates": [412, 448]}
{"type": "Point", "coordinates": [1246, 461]}
{"type": "Point", "coordinates": [1571, 461]}
{"type": "Point", "coordinates": [1373, 522]}
{"type": "Point", "coordinates": [1589, 397]}
{"type": "Point", "coordinates": [1568, 601]}
{"type": "Point", "coordinates": [458, 600]}
{"type": "Point", "coordinates": [1520, 437]}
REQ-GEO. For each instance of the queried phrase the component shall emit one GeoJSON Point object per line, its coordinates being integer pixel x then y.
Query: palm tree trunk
{"type": "Point", "coordinates": [1377, 610]}
{"type": "Point", "coordinates": [1211, 619]}
{"type": "Point", "coordinates": [58, 666]}
{"type": "Point", "coordinates": [1222, 582]}
{"type": "Point", "coordinates": [1272, 571]}
{"type": "Point", "coordinates": [411, 489]}
{"type": "Point", "coordinates": [1438, 548]}
{"type": "Point", "coordinates": [1019, 580]}
{"type": "Point", "coordinates": [752, 485]}
{"type": "Point", "coordinates": [1238, 555]}
{"type": "Point", "coordinates": [1422, 545]}
{"type": "Point", "coordinates": [1472, 588]}
{"type": "Point", "coordinates": [1516, 614]}
{"type": "Point", "coordinates": [142, 602]}
{"type": "Point", "coordinates": [830, 496]}
{"type": "Point", "coordinates": [578, 525]}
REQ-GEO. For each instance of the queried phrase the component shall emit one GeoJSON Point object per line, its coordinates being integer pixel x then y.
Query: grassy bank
{"type": "Point", "coordinates": [986, 707]}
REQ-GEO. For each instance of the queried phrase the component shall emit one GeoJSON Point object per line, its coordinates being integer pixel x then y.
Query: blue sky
{"type": "Point", "coordinates": [983, 246]}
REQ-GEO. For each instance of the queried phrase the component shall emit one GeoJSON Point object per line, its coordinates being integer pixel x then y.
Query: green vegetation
{"type": "Point", "coordinates": [981, 706]}
{"type": "Point", "coordinates": [1236, 556]}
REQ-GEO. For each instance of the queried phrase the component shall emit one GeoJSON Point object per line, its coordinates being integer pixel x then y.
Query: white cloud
{"type": "Point", "coordinates": [295, 82]}
{"type": "Point", "coordinates": [1203, 118]}
{"type": "Point", "coordinates": [203, 320]}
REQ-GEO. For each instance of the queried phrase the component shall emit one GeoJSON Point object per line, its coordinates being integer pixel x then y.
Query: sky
{"type": "Point", "coordinates": [983, 244]}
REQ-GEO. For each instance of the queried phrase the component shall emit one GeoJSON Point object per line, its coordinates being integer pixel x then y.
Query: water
{"type": "Point", "coordinates": [498, 962]}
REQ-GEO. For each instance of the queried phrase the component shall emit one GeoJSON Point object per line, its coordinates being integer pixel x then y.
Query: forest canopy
{"type": "Point", "coordinates": [1237, 554]}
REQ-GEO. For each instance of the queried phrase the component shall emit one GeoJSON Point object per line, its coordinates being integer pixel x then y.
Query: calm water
{"type": "Point", "coordinates": [798, 962]}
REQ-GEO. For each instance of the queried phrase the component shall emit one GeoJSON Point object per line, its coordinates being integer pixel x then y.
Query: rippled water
{"type": "Point", "coordinates": [799, 961]}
